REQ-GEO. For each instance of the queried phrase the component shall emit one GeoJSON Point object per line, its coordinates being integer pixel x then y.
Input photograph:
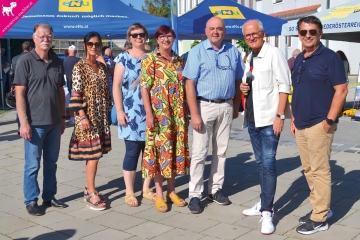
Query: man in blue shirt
{"type": "Point", "coordinates": [320, 90]}
{"type": "Point", "coordinates": [213, 71]}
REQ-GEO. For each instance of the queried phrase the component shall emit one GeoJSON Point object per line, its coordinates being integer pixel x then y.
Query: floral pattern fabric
{"type": "Point", "coordinates": [166, 145]}
{"type": "Point", "coordinates": [131, 97]}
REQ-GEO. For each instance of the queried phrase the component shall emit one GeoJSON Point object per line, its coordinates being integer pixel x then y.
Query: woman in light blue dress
{"type": "Point", "coordinates": [130, 109]}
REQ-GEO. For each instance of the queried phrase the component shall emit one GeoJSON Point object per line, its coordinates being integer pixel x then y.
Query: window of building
{"type": "Point", "coordinates": [243, 2]}
{"type": "Point", "coordinates": [276, 41]}
{"type": "Point", "coordinates": [288, 41]}
{"type": "Point", "coordinates": [277, 1]}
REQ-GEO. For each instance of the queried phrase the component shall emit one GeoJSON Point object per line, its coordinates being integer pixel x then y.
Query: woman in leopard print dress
{"type": "Point", "coordinates": [91, 103]}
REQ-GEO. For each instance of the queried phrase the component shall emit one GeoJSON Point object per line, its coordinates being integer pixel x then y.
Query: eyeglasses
{"type": "Point", "coordinates": [311, 31]}
{"type": "Point", "coordinates": [254, 35]}
{"type": "Point", "coordinates": [224, 62]}
{"type": "Point", "coordinates": [163, 37]}
{"type": "Point", "coordinates": [300, 70]}
{"type": "Point", "coordinates": [135, 35]}
{"type": "Point", "coordinates": [43, 37]}
{"type": "Point", "coordinates": [91, 44]}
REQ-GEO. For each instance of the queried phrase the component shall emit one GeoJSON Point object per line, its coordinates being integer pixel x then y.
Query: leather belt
{"type": "Point", "coordinates": [213, 101]}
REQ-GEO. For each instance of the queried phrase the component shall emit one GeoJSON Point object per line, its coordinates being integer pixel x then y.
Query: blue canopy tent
{"type": "Point", "coordinates": [75, 18]}
{"type": "Point", "coordinates": [191, 25]}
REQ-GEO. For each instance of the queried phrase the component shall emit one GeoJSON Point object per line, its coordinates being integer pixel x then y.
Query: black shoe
{"type": "Point", "coordinates": [194, 205]}
{"type": "Point", "coordinates": [34, 209]}
{"type": "Point", "coordinates": [54, 203]}
{"type": "Point", "coordinates": [306, 218]}
{"type": "Point", "coordinates": [219, 198]}
{"type": "Point", "coordinates": [311, 227]}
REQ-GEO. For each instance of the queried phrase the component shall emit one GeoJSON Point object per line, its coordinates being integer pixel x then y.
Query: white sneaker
{"type": "Point", "coordinates": [254, 211]}
{"type": "Point", "coordinates": [267, 226]}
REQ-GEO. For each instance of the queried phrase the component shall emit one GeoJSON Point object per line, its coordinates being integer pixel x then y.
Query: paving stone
{"type": "Point", "coordinates": [152, 215]}
{"type": "Point", "coordinates": [115, 220]}
{"type": "Point", "coordinates": [179, 234]}
{"type": "Point", "coordinates": [149, 230]}
{"type": "Point", "coordinates": [49, 218]}
{"type": "Point", "coordinates": [76, 228]}
{"type": "Point", "coordinates": [38, 232]}
{"type": "Point", "coordinates": [85, 213]}
{"type": "Point", "coordinates": [108, 234]}
{"type": "Point", "coordinates": [2, 237]}
{"type": "Point", "coordinates": [256, 234]}
{"type": "Point", "coordinates": [10, 224]}
{"type": "Point", "coordinates": [226, 214]}
{"type": "Point", "coordinates": [189, 222]}
{"type": "Point", "coordinates": [226, 231]}
{"type": "Point", "coordinates": [352, 220]}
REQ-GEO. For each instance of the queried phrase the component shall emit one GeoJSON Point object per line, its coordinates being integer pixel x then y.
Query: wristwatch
{"type": "Point", "coordinates": [281, 116]}
{"type": "Point", "coordinates": [330, 121]}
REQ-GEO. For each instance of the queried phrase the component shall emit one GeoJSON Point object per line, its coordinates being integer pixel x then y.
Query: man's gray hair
{"type": "Point", "coordinates": [43, 25]}
{"type": "Point", "coordinates": [296, 52]}
{"type": "Point", "coordinates": [260, 24]}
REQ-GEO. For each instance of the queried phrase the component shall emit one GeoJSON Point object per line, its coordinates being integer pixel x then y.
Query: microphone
{"type": "Point", "coordinates": [248, 81]}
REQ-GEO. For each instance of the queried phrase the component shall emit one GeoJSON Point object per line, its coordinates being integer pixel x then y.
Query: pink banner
{"type": "Point", "coordinates": [11, 12]}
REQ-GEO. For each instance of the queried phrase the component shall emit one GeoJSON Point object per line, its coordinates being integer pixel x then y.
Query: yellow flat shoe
{"type": "Point", "coordinates": [160, 205]}
{"type": "Point", "coordinates": [173, 197]}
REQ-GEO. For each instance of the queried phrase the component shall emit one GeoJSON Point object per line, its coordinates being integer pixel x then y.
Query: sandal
{"type": "Point", "coordinates": [160, 205]}
{"type": "Point", "coordinates": [130, 199]}
{"type": "Point", "coordinates": [173, 197]}
{"type": "Point", "coordinates": [86, 193]}
{"type": "Point", "coordinates": [94, 206]}
{"type": "Point", "coordinates": [149, 194]}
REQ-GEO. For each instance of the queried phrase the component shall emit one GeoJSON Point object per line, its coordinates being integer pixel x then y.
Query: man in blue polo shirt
{"type": "Point", "coordinates": [320, 90]}
{"type": "Point", "coordinates": [213, 71]}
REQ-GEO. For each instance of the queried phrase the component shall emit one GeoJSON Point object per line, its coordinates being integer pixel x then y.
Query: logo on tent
{"type": "Point", "coordinates": [75, 6]}
{"type": "Point", "coordinates": [227, 12]}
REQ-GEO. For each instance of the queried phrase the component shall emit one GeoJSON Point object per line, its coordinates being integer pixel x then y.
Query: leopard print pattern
{"type": "Point", "coordinates": [96, 98]}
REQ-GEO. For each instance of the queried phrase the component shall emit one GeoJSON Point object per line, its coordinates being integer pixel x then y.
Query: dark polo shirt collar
{"type": "Point", "coordinates": [318, 51]}
{"type": "Point", "coordinates": [36, 56]}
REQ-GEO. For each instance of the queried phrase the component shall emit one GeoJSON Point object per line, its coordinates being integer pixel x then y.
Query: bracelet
{"type": "Point", "coordinates": [83, 117]}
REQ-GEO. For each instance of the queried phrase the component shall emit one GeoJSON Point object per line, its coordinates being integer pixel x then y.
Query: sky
{"type": "Point", "coordinates": [137, 3]}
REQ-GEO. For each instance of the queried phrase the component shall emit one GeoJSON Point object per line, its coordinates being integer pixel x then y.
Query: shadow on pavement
{"type": "Point", "coordinates": [67, 234]}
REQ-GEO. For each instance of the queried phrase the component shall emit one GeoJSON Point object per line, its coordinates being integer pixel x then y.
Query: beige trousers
{"type": "Point", "coordinates": [315, 147]}
{"type": "Point", "coordinates": [217, 119]}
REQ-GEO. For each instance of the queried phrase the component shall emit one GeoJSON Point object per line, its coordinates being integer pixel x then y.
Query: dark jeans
{"type": "Point", "coordinates": [264, 143]}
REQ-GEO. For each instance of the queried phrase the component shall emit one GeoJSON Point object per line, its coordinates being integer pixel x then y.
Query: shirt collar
{"type": "Point", "coordinates": [174, 55]}
{"type": "Point", "coordinates": [36, 56]}
{"type": "Point", "coordinates": [317, 51]}
{"type": "Point", "coordinates": [208, 45]}
{"type": "Point", "coordinates": [263, 50]}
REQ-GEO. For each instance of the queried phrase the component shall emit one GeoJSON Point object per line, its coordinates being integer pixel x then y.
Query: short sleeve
{"type": "Point", "coordinates": [336, 71]}
{"type": "Point", "coordinates": [22, 70]}
{"type": "Point", "coordinates": [192, 66]}
{"type": "Point", "coordinates": [240, 67]}
{"type": "Point", "coordinates": [147, 72]}
{"type": "Point", "coordinates": [120, 59]}
{"type": "Point", "coordinates": [77, 101]}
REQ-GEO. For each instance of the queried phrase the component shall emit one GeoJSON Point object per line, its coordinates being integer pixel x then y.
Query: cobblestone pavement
{"type": "Point", "coordinates": [144, 222]}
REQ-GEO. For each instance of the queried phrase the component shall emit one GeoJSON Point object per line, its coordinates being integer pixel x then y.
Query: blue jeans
{"type": "Point", "coordinates": [45, 141]}
{"type": "Point", "coordinates": [264, 143]}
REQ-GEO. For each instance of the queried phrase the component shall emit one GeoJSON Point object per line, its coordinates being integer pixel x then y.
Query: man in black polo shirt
{"type": "Point", "coordinates": [320, 90]}
{"type": "Point", "coordinates": [40, 103]}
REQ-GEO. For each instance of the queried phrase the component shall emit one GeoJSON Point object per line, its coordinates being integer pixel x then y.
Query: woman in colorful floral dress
{"type": "Point", "coordinates": [130, 109]}
{"type": "Point", "coordinates": [90, 101]}
{"type": "Point", "coordinates": [163, 91]}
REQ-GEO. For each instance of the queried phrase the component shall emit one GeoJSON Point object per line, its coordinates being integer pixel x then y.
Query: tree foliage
{"type": "Point", "coordinates": [242, 44]}
{"type": "Point", "coordinates": [159, 8]}
{"type": "Point", "coordinates": [196, 42]}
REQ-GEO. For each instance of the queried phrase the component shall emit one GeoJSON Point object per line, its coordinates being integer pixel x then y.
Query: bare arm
{"type": "Point", "coordinates": [196, 120]}
{"type": "Point", "coordinates": [25, 129]}
{"type": "Point", "coordinates": [150, 122]}
{"type": "Point", "coordinates": [337, 103]}
{"type": "Point", "coordinates": [117, 94]}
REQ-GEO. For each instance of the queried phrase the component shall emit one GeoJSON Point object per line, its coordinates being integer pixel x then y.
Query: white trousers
{"type": "Point", "coordinates": [217, 119]}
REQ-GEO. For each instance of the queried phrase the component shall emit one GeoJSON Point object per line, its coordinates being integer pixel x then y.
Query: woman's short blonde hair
{"type": "Point", "coordinates": [137, 26]}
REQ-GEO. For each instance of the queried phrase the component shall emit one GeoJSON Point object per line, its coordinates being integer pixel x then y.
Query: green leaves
{"type": "Point", "coordinates": [159, 8]}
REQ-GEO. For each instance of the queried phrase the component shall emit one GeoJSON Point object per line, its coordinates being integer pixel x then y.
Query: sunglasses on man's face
{"type": "Point", "coordinates": [91, 44]}
{"type": "Point", "coordinates": [311, 31]}
{"type": "Point", "coordinates": [135, 35]}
